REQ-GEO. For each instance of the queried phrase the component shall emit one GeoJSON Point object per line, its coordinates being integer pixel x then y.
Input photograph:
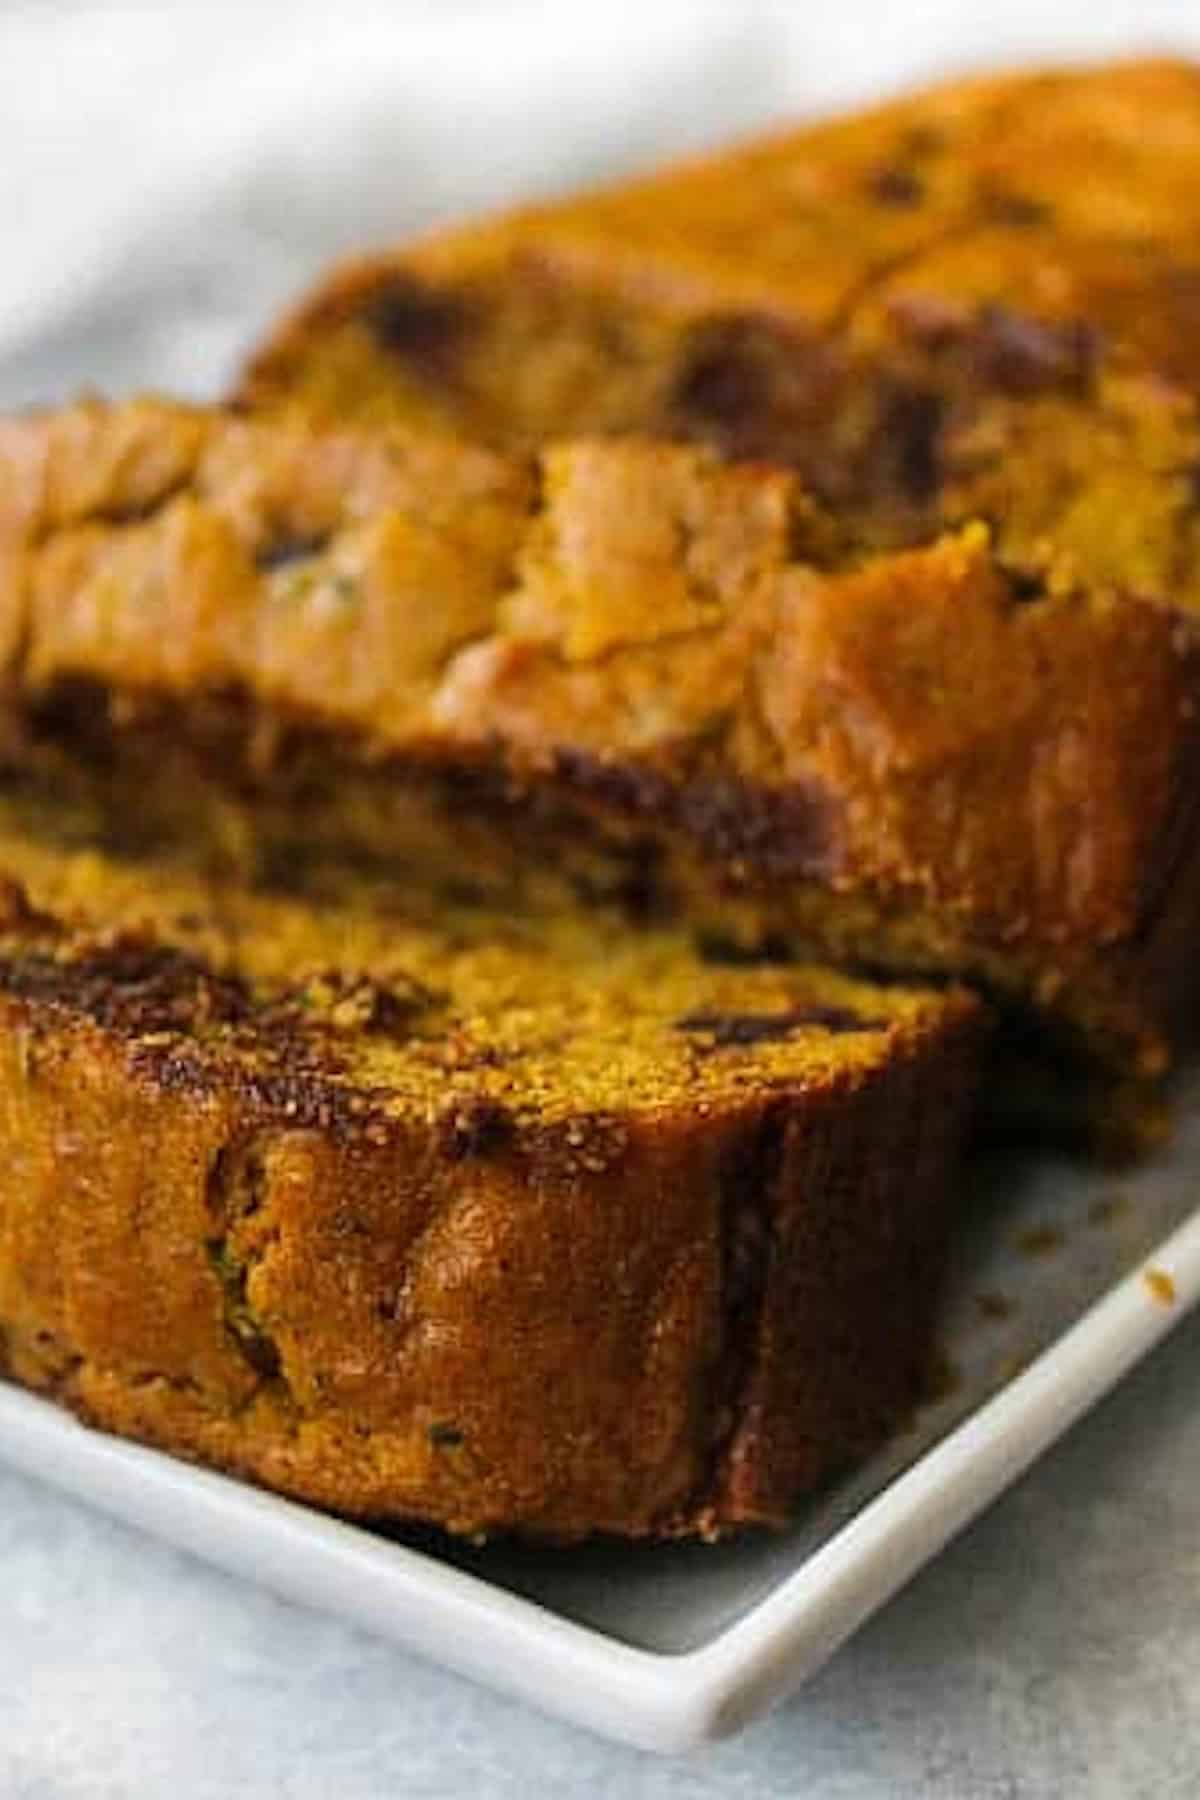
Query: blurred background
{"type": "Point", "coordinates": [171, 171]}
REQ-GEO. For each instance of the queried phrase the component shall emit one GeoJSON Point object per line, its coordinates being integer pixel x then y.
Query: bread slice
{"type": "Point", "coordinates": [624, 671]}
{"type": "Point", "coordinates": [439, 1214]}
{"type": "Point", "coordinates": [852, 297]}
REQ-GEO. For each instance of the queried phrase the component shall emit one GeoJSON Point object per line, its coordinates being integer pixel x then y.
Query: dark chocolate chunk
{"type": "Point", "coordinates": [791, 831]}
{"type": "Point", "coordinates": [444, 1436]}
{"type": "Point", "coordinates": [741, 1030]}
{"type": "Point", "coordinates": [910, 434]}
{"type": "Point", "coordinates": [482, 1128]}
{"type": "Point", "coordinates": [416, 323]}
{"type": "Point", "coordinates": [1023, 355]}
{"type": "Point", "coordinates": [894, 185]}
{"type": "Point", "coordinates": [1024, 586]}
{"type": "Point", "coordinates": [723, 383]}
{"type": "Point", "coordinates": [752, 388]}
{"type": "Point", "coordinates": [281, 551]}
{"type": "Point", "coordinates": [1008, 350]}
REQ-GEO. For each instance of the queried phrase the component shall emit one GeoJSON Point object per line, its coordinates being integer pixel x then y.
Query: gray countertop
{"type": "Point", "coordinates": [1053, 1651]}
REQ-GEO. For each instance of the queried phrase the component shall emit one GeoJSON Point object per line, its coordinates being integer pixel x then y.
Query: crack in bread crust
{"type": "Point", "coordinates": [234, 1193]}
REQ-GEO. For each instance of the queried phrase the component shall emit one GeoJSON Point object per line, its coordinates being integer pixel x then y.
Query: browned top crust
{"type": "Point", "coordinates": [887, 300]}
{"type": "Point", "coordinates": [687, 636]}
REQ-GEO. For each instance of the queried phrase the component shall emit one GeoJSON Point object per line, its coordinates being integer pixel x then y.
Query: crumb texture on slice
{"type": "Point", "coordinates": [442, 1216]}
{"type": "Point", "coordinates": [932, 758]}
{"type": "Point", "coordinates": [917, 723]}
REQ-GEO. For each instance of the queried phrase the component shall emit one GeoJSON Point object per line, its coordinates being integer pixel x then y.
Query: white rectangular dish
{"type": "Point", "coordinates": [1064, 1278]}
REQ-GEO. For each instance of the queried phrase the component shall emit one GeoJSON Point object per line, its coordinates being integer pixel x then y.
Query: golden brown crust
{"type": "Point", "coordinates": [862, 298]}
{"type": "Point", "coordinates": [390, 1251]}
{"type": "Point", "coordinates": [679, 649]}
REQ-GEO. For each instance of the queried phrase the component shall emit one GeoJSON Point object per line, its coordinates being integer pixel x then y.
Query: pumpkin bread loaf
{"type": "Point", "coordinates": [794, 550]}
{"type": "Point", "coordinates": [440, 1214]}
{"type": "Point", "coordinates": [620, 670]}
